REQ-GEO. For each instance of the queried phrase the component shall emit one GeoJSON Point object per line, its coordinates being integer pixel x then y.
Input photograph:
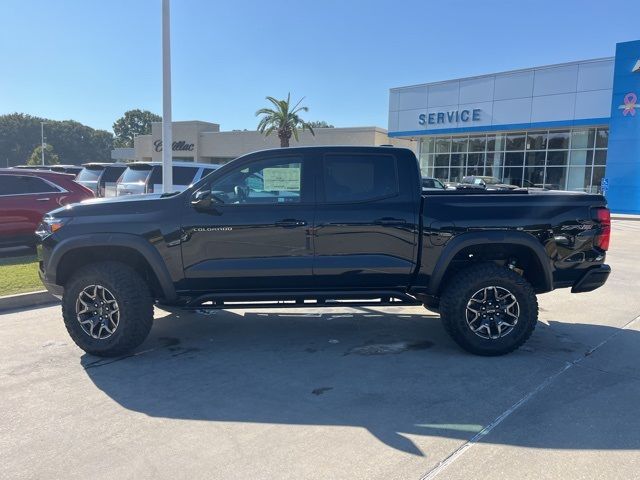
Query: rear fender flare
{"type": "Point", "coordinates": [465, 240]}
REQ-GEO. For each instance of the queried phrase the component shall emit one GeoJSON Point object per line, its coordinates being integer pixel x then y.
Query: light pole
{"type": "Point", "coordinates": [42, 142]}
{"type": "Point", "coordinates": [167, 140]}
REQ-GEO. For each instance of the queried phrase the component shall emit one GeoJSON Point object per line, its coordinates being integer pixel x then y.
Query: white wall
{"type": "Point", "coordinates": [572, 91]}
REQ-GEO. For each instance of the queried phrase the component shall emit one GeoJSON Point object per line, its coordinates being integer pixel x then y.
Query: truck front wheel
{"type": "Point", "coordinates": [489, 310]}
{"type": "Point", "coordinates": [107, 309]}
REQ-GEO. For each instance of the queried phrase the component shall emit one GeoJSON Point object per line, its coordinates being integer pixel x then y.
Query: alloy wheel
{"type": "Point", "coordinates": [97, 312]}
{"type": "Point", "coordinates": [492, 312]}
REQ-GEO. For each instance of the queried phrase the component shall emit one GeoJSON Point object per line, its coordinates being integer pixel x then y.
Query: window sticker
{"type": "Point", "coordinates": [281, 179]}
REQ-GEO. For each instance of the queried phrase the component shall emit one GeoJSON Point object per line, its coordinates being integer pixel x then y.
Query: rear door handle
{"type": "Point", "coordinates": [390, 221]}
{"type": "Point", "coordinates": [43, 199]}
{"type": "Point", "coordinates": [291, 223]}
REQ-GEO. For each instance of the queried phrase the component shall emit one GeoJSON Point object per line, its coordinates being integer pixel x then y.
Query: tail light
{"type": "Point", "coordinates": [603, 216]}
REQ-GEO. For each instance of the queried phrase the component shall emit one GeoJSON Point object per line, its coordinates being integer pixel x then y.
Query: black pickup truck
{"type": "Point", "coordinates": [322, 226]}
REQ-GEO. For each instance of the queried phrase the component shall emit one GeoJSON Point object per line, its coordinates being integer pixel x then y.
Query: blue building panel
{"type": "Point", "coordinates": [623, 158]}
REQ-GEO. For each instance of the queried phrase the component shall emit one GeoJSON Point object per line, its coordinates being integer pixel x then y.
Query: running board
{"type": "Point", "coordinates": [301, 300]}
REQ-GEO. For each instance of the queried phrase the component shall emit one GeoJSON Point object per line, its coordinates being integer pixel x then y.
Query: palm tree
{"type": "Point", "coordinates": [283, 119]}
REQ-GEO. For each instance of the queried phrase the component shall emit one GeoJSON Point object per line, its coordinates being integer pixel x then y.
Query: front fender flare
{"type": "Point", "coordinates": [137, 243]}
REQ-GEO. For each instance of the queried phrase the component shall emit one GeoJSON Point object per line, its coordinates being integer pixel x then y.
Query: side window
{"type": "Point", "coordinates": [37, 185]}
{"type": "Point", "coordinates": [357, 178]}
{"type": "Point", "coordinates": [277, 180]}
{"type": "Point", "coordinates": [20, 185]}
{"type": "Point", "coordinates": [9, 185]}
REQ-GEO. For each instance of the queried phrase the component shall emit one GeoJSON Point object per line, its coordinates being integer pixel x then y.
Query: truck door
{"type": "Point", "coordinates": [365, 231]}
{"type": "Point", "coordinates": [257, 233]}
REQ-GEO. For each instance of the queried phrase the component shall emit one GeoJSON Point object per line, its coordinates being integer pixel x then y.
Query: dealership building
{"type": "Point", "coordinates": [573, 126]}
{"type": "Point", "coordinates": [197, 141]}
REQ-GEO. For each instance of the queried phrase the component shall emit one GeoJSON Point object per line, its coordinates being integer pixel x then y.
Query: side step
{"type": "Point", "coordinates": [302, 300]}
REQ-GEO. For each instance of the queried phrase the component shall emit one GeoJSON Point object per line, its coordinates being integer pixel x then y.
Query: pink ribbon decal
{"type": "Point", "coordinates": [629, 106]}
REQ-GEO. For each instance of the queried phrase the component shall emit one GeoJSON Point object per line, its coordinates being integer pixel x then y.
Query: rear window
{"type": "Point", "coordinates": [136, 174]}
{"type": "Point", "coordinates": [90, 174]}
{"type": "Point", "coordinates": [112, 174]}
{"type": "Point", "coordinates": [181, 175]}
{"type": "Point", "coordinates": [357, 178]}
{"type": "Point", "coordinates": [184, 175]}
{"type": "Point", "coordinates": [156, 175]}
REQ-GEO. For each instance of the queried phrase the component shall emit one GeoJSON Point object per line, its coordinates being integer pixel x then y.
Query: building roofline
{"type": "Point", "coordinates": [506, 72]}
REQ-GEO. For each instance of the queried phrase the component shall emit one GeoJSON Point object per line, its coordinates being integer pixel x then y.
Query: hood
{"type": "Point", "coordinates": [113, 205]}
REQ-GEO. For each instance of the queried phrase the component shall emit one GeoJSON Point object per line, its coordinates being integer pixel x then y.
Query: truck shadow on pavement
{"type": "Point", "coordinates": [397, 375]}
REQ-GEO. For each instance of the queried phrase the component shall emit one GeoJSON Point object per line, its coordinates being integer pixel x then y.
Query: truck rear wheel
{"type": "Point", "coordinates": [489, 310]}
{"type": "Point", "coordinates": [107, 309]}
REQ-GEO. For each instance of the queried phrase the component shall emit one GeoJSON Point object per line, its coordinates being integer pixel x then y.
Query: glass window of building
{"type": "Point", "coordinates": [559, 139]}
{"type": "Point", "coordinates": [557, 158]}
{"type": "Point", "coordinates": [536, 140]}
{"type": "Point", "coordinates": [443, 144]}
{"type": "Point", "coordinates": [572, 159]}
{"type": "Point", "coordinates": [602, 138]}
{"type": "Point", "coordinates": [583, 138]}
{"type": "Point", "coordinates": [477, 143]}
{"type": "Point", "coordinates": [496, 143]}
{"type": "Point", "coordinates": [516, 141]}
{"type": "Point", "coordinates": [535, 159]}
{"type": "Point", "coordinates": [459, 144]}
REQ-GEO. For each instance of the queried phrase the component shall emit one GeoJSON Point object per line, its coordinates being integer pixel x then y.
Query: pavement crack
{"type": "Point", "coordinates": [458, 452]}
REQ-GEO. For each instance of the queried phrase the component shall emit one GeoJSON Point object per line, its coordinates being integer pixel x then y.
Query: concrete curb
{"type": "Point", "coordinates": [622, 216]}
{"type": "Point", "coordinates": [26, 300]}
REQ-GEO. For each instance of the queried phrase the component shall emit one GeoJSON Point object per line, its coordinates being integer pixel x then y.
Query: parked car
{"type": "Point", "coordinates": [33, 167]}
{"type": "Point", "coordinates": [101, 177]}
{"type": "Point", "coordinates": [146, 177]}
{"type": "Point", "coordinates": [429, 183]}
{"type": "Point", "coordinates": [72, 169]}
{"type": "Point", "coordinates": [26, 195]}
{"type": "Point", "coordinates": [322, 226]}
{"type": "Point", "coordinates": [486, 183]}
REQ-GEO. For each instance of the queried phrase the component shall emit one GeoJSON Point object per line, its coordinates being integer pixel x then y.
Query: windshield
{"type": "Point", "coordinates": [431, 183]}
{"type": "Point", "coordinates": [136, 175]}
{"type": "Point", "coordinates": [90, 174]}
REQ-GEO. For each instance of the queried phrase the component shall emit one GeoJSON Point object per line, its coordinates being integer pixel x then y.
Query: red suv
{"type": "Point", "coordinates": [26, 195]}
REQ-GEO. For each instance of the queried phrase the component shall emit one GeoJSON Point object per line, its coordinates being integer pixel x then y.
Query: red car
{"type": "Point", "coordinates": [26, 195]}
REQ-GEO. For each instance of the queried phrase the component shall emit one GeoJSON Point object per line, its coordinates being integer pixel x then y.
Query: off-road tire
{"type": "Point", "coordinates": [458, 292]}
{"type": "Point", "coordinates": [134, 300]}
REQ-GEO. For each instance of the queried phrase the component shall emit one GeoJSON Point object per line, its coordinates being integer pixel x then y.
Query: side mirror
{"type": "Point", "coordinates": [202, 200]}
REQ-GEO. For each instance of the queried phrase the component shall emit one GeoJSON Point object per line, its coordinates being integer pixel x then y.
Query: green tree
{"type": "Point", "coordinates": [50, 157]}
{"type": "Point", "coordinates": [133, 123]}
{"type": "Point", "coordinates": [75, 143]}
{"type": "Point", "coordinates": [320, 124]}
{"type": "Point", "coordinates": [283, 119]}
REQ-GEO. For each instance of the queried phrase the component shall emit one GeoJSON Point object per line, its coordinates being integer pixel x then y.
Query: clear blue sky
{"type": "Point", "coordinates": [91, 60]}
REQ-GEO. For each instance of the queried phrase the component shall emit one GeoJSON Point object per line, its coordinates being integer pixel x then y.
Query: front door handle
{"type": "Point", "coordinates": [291, 223]}
{"type": "Point", "coordinates": [390, 221]}
{"type": "Point", "coordinates": [43, 199]}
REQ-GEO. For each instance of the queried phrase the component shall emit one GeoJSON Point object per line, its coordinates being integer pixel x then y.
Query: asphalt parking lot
{"type": "Point", "coordinates": [344, 393]}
